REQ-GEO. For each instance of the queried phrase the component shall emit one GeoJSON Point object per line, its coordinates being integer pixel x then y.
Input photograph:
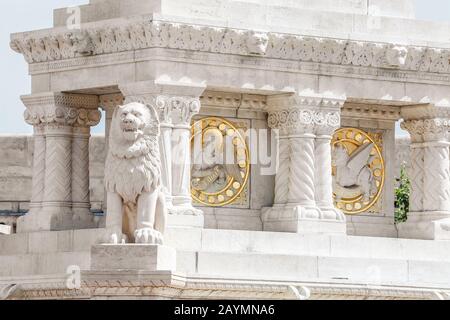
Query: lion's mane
{"type": "Point", "coordinates": [132, 167]}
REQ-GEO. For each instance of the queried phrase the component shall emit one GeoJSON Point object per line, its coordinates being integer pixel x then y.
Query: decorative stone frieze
{"type": "Point", "coordinates": [140, 34]}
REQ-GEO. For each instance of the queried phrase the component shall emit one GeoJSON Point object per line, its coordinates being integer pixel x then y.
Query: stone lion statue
{"type": "Point", "coordinates": [136, 204]}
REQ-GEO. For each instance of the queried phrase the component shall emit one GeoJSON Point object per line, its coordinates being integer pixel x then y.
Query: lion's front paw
{"type": "Point", "coordinates": [148, 236]}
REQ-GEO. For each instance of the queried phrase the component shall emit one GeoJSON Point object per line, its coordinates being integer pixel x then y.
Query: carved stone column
{"type": "Point", "coordinates": [56, 115]}
{"type": "Point", "coordinates": [301, 187]}
{"type": "Point", "coordinates": [283, 171]}
{"type": "Point", "coordinates": [81, 203]}
{"type": "Point", "coordinates": [58, 173]}
{"type": "Point", "coordinates": [429, 216]}
{"type": "Point", "coordinates": [416, 171]}
{"type": "Point", "coordinates": [109, 103]}
{"type": "Point", "coordinates": [38, 180]}
{"type": "Point", "coordinates": [436, 163]}
{"type": "Point", "coordinates": [328, 120]}
{"type": "Point", "coordinates": [176, 104]}
{"type": "Point", "coordinates": [165, 108]}
{"type": "Point", "coordinates": [185, 108]}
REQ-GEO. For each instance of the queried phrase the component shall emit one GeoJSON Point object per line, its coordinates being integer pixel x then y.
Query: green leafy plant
{"type": "Point", "coordinates": [402, 193]}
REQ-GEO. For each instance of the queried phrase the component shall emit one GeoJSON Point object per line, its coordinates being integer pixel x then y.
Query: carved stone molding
{"type": "Point", "coordinates": [181, 287]}
{"type": "Point", "coordinates": [61, 109]}
{"type": "Point", "coordinates": [233, 100]}
{"type": "Point", "coordinates": [111, 101]}
{"type": "Point", "coordinates": [370, 111]}
{"type": "Point", "coordinates": [427, 129]}
{"type": "Point", "coordinates": [304, 114]}
{"type": "Point", "coordinates": [175, 102]}
{"type": "Point", "coordinates": [140, 34]}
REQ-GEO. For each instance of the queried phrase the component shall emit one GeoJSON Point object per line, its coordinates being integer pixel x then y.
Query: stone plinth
{"type": "Point", "coordinates": [5, 229]}
{"type": "Point", "coordinates": [133, 257]}
{"type": "Point", "coordinates": [292, 220]}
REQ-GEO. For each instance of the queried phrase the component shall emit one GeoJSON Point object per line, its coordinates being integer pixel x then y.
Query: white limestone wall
{"type": "Point", "coordinates": [206, 9]}
{"type": "Point", "coordinates": [15, 173]}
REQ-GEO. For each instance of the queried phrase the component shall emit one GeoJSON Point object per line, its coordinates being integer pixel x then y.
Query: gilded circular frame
{"type": "Point", "coordinates": [233, 189]}
{"type": "Point", "coordinates": [348, 137]}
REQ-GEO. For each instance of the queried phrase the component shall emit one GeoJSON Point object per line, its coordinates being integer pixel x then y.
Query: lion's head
{"type": "Point", "coordinates": [133, 126]}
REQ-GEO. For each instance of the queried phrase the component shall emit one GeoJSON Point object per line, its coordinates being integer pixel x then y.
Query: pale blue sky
{"type": "Point", "coordinates": [25, 15]}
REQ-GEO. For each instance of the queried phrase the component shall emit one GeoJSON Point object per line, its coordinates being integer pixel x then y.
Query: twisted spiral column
{"type": "Point", "coordinates": [282, 175]}
{"type": "Point", "coordinates": [301, 177]}
{"type": "Point", "coordinates": [436, 177]}
{"type": "Point", "coordinates": [323, 174]}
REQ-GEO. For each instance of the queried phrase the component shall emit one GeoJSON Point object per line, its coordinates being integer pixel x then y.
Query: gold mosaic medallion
{"type": "Point", "coordinates": [220, 162]}
{"type": "Point", "coordinates": [358, 171]}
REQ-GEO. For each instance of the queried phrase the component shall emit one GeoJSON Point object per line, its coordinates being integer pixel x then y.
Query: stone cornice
{"type": "Point", "coordinates": [63, 44]}
{"type": "Point", "coordinates": [231, 100]}
{"type": "Point", "coordinates": [61, 109]}
{"type": "Point", "coordinates": [370, 111]}
{"type": "Point", "coordinates": [119, 284]}
{"type": "Point", "coordinates": [305, 99]}
{"type": "Point", "coordinates": [61, 100]}
{"type": "Point", "coordinates": [425, 111]}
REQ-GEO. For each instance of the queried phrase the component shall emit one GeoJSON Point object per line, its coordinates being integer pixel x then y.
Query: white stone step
{"type": "Point", "coordinates": [50, 242]}
{"type": "Point", "coordinates": [42, 264]}
{"type": "Point", "coordinates": [239, 242]}
{"type": "Point", "coordinates": [315, 268]}
{"type": "Point", "coordinates": [315, 245]}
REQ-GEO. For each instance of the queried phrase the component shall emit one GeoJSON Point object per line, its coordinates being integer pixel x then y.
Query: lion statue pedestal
{"type": "Point", "coordinates": [136, 205]}
{"type": "Point", "coordinates": [139, 257]}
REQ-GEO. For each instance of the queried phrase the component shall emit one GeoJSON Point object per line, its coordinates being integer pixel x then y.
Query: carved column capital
{"type": "Point", "coordinates": [61, 109]}
{"type": "Point", "coordinates": [299, 114]}
{"type": "Point", "coordinates": [415, 129]}
{"type": "Point", "coordinates": [426, 123]}
{"type": "Point", "coordinates": [175, 102]}
{"type": "Point", "coordinates": [427, 130]}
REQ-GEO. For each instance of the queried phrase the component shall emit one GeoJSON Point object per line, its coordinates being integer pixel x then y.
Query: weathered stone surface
{"type": "Point", "coordinates": [302, 68]}
{"type": "Point", "coordinates": [133, 257]}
